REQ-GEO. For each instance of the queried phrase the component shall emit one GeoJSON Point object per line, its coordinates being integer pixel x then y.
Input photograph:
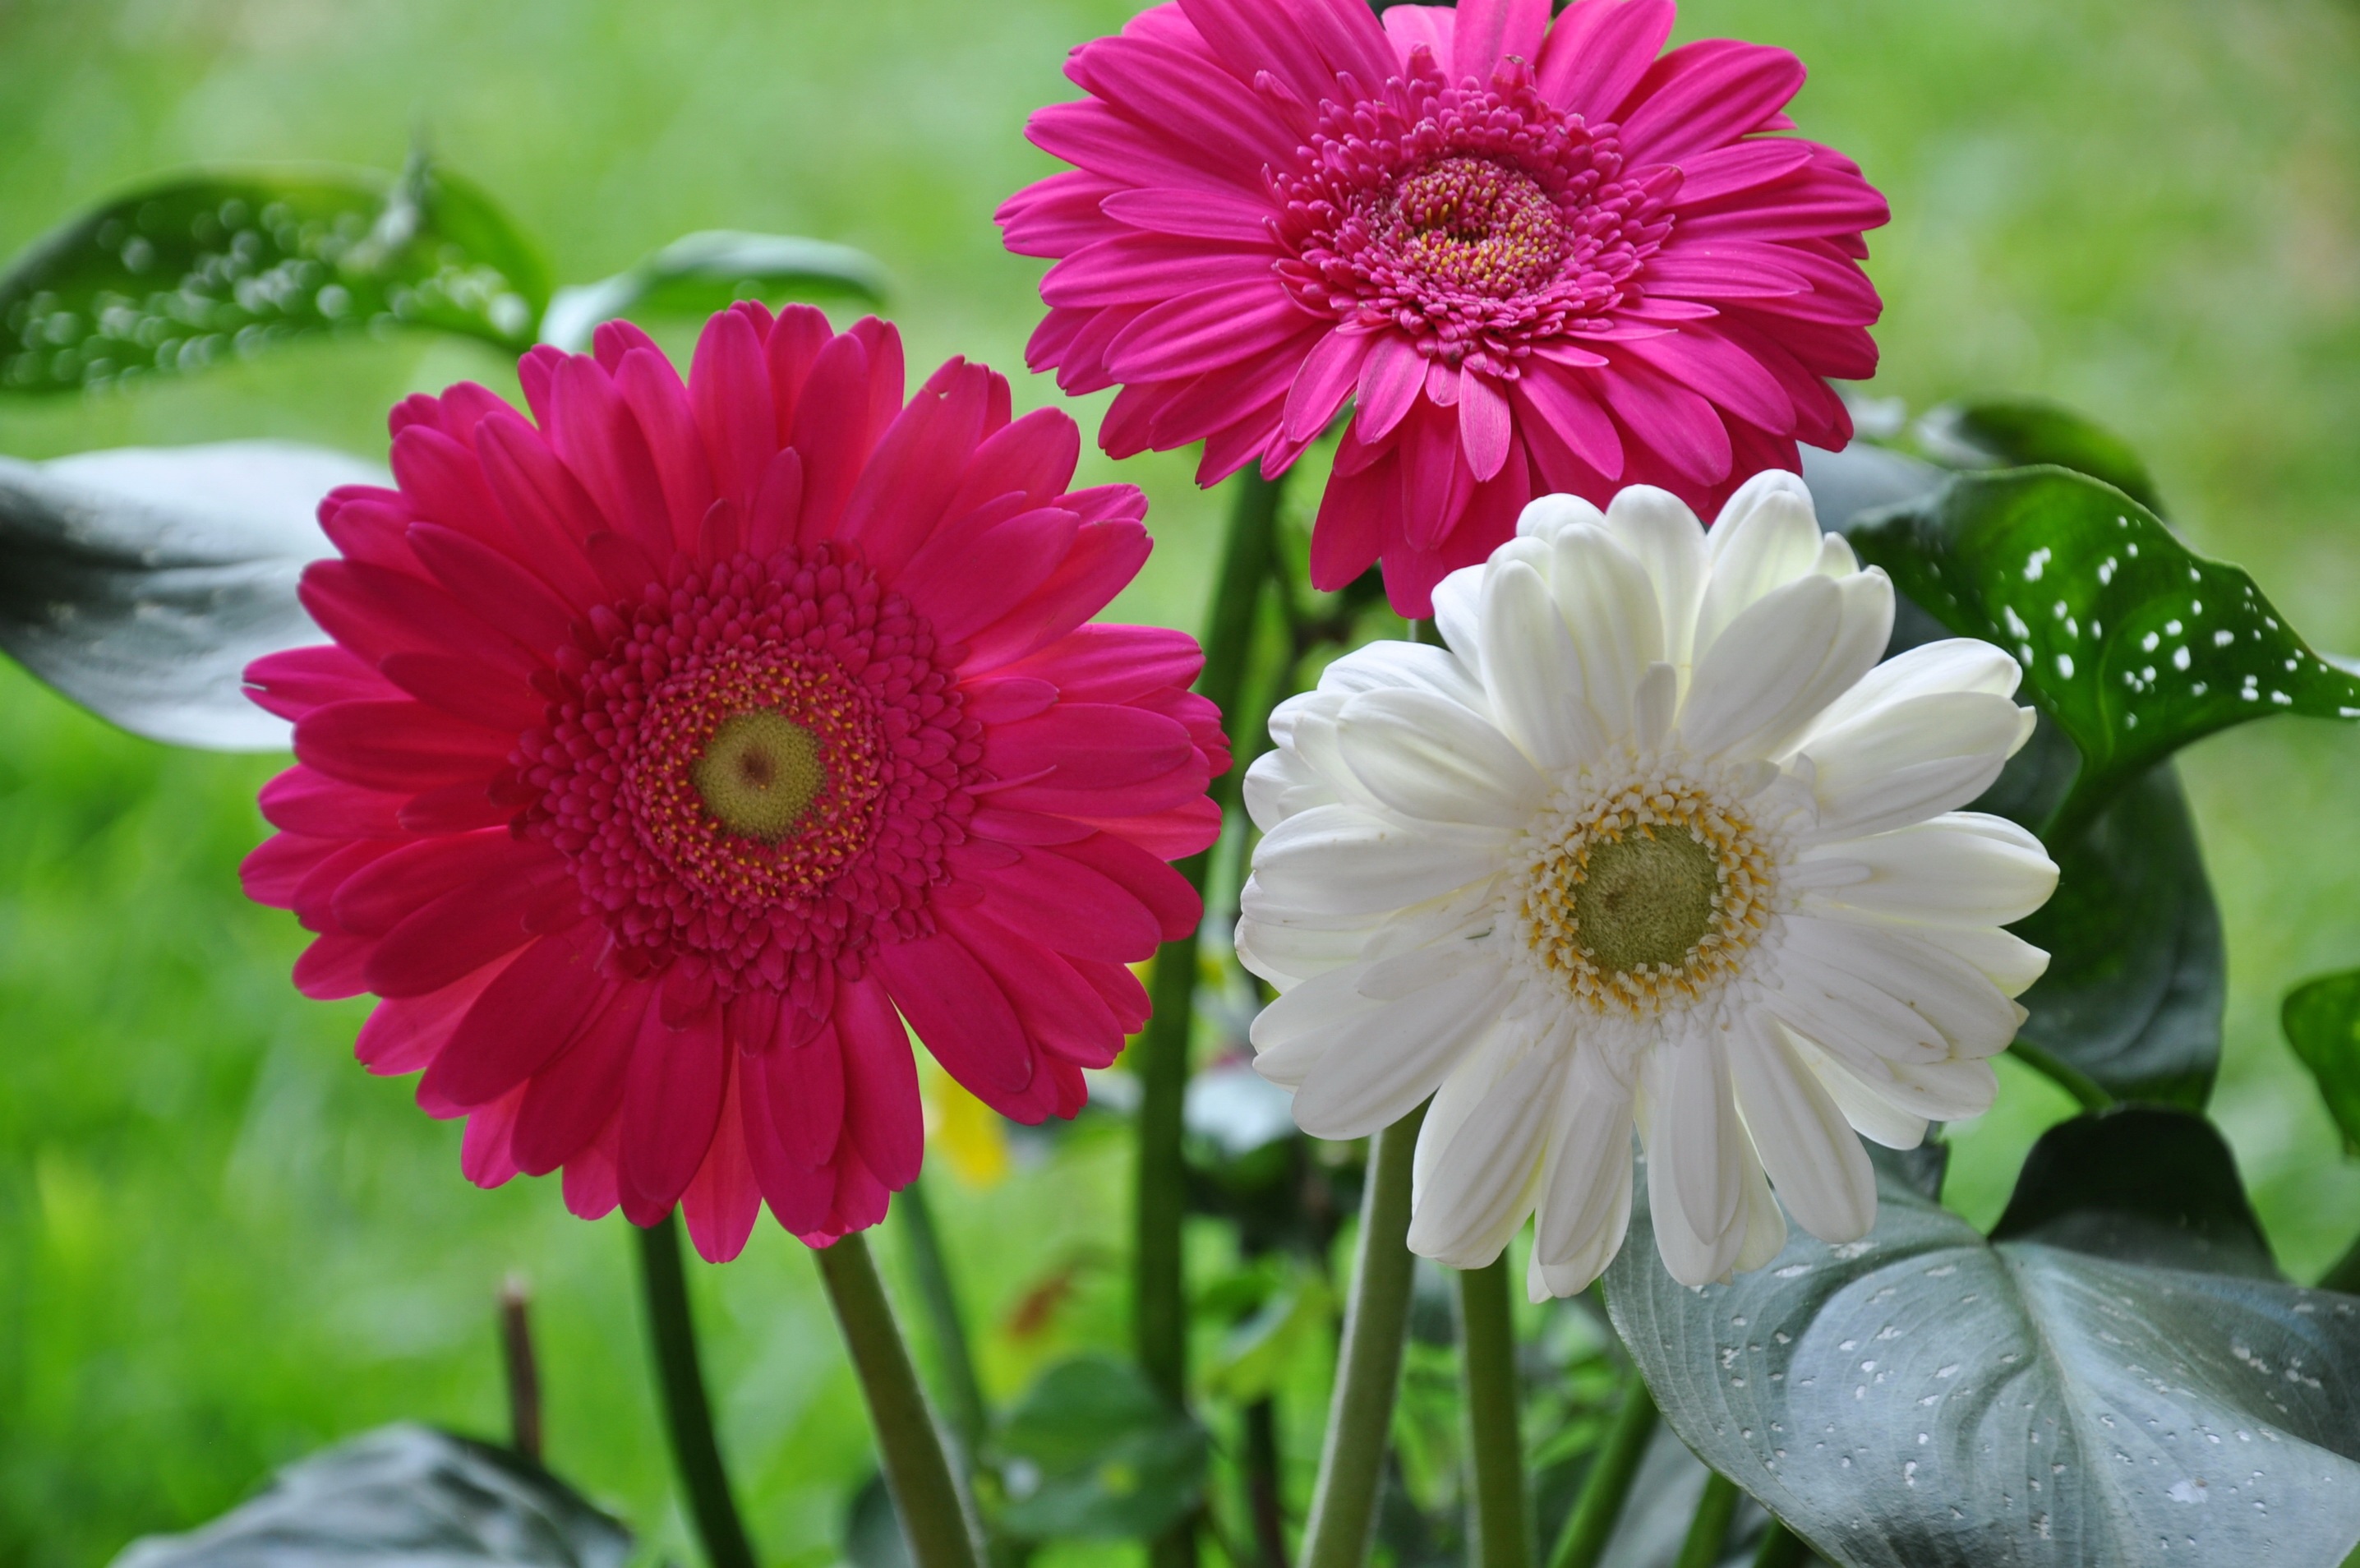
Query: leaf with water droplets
{"type": "Point", "coordinates": [2321, 1018]}
{"type": "Point", "coordinates": [2133, 645]}
{"type": "Point", "coordinates": [221, 265]}
{"type": "Point", "coordinates": [2117, 1369]}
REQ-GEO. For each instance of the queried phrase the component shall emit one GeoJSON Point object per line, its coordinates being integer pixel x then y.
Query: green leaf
{"type": "Point", "coordinates": [1260, 1349]}
{"type": "Point", "coordinates": [1094, 1451]}
{"type": "Point", "coordinates": [2130, 641]}
{"type": "Point", "coordinates": [2070, 1391]}
{"type": "Point", "coordinates": [400, 1498]}
{"type": "Point", "coordinates": [701, 273]}
{"type": "Point", "coordinates": [216, 266]}
{"type": "Point", "coordinates": [142, 582]}
{"type": "Point", "coordinates": [2019, 433]}
{"type": "Point", "coordinates": [2321, 1018]}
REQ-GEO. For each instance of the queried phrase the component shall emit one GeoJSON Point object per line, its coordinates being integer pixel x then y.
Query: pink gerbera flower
{"type": "Point", "coordinates": [1533, 255]}
{"type": "Point", "coordinates": [671, 754]}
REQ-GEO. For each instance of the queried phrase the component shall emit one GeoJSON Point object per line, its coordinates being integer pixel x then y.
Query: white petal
{"type": "Point", "coordinates": [1295, 1032]}
{"type": "Point", "coordinates": [1972, 1015]}
{"type": "Point", "coordinates": [1912, 760]}
{"type": "Point", "coordinates": [1746, 682]}
{"type": "Point", "coordinates": [1765, 538]}
{"type": "Point", "coordinates": [1281, 783]}
{"type": "Point", "coordinates": [1283, 716]}
{"type": "Point", "coordinates": [1766, 485]}
{"type": "Point", "coordinates": [1587, 1261]}
{"type": "Point", "coordinates": [1962, 869]}
{"type": "Point", "coordinates": [1836, 557]}
{"type": "Point", "coordinates": [1285, 954]}
{"type": "Point", "coordinates": [1668, 542]}
{"type": "Point", "coordinates": [1379, 1065]}
{"type": "Point", "coordinates": [1653, 706]}
{"type": "Point", "coordinates": [1547, 516]}
{"type": "Point", "coordinates": [2005, 958]}
{"type": "Point", "coordinates": [1458, 608]}
{"type": "Point", "coordinates": [1871, 1116]}
{"type": "Point", "coordinates": [1864, 628]}
{"type": "Point", "coordinates": [1765, 1225]}
{"type": "Point", "coordinates": [1588, 1176]}
{"type": "Point", "coordinates": [1953, 665]}
{"type": "Point", "coordinates": [1945, 1092]}
{"type": "Point", "coordinates": [1484, 1179]}
{"type": "Point", "coordinates": [1420, 666]}
{"type": "Point", "coordinates": [1812, 1155]}
{"type": "Point", "coordinates": [1609, 606]}
{"type": "Point", "coordinates": [1534, 673]}
{"type": "Point", "coordinates": [1340, 859]}
{"type": "Point", "coordinates": [1431, 760]}
{"type": "Point", "coordinates": [1696, 1160]}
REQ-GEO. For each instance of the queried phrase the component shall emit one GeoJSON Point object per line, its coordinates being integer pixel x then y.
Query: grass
{"type": "Point", "coordinates": [222, 1244]}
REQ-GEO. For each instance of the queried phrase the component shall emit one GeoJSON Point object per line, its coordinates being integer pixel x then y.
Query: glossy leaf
{"type": "Point", "coordinates": [2321, 1018]}
{"type": "Point", "coordinates": [403, 1496]}
{"type": "Point", "coordinates": [1094, 1451]}
{"type": "Point", "coordinates": [701, 273]}
{"type": "Point", "coordinates": [2090, 1387]}
{"type": "Point", "coordinates": [2133, 643]}
{"type": "Point", "coordinates": [219, 266]}
{"type": "Point", "coordinates": [2018, 433]}
{"type": "Point", "coordinates": [141, 582]}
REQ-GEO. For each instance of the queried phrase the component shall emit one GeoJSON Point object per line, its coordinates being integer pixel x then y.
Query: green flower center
{"type": "Point", "coordinates": [758, 774]}
{"type": "Point", "coordinates": [1647, 896]}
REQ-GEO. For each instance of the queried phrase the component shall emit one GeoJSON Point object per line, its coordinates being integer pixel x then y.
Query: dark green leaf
{"type": "Point", "coordinates": [701, 273]}
{"type": "Point", "coordinates": [1926, 1397]}
{"type": "Point", "coordinates": [1094, 1451]}
{"type": "Point", "coordinates": [217, 265]}
{"type": "Point", "coordinates": [2133, 644]}
{"type": "Point", "coordinates": [2322, 1023]}
{"type": "Point", "coordinates": [2018, 433]}
{"type": "Point", "coordinates": [2138, 973]}
{"type": "Point", "coordinates": [402, 1496]}
{"type": "Point", "coordinates": [142, 582]}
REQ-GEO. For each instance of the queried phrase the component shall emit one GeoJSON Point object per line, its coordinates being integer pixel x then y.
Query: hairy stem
{"type": "Point", "coordinates": [1160, 1290]}
{"type": "Point", "coordinates": [1487, 1342]}
{"type": "Point", "coordinates": [935, 1518]}
{"type": "Point", "coordinates": [1591, 1524]}
{"type": "Point", "coordinates": [1360, 1419]}
{"type": "Point", "coordinates": [1709, 1531]}
{"type": "Point", "coordinates": [962, 1390]}
{"type": "Point", "coordinates": [688, 1417]}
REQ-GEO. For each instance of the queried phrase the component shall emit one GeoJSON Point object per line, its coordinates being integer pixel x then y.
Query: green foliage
{"type": "Point", "coordinates": [699, 274]}
{"type": "Point", "coordinates": [2022, 432]}
{"type": "Point", "coordinates": [2132, 642]}
{"type": "Point", "coordinates": [399, 1496]}
{"type": "Point", "coordinates": [2321, 1018]}
{"type": "Point", "coordinates": [197, 271]}
{"type": "Point", "coordinates": [2074, 1389]}
{"type": "Point", "coordinates": [1094, 1451]}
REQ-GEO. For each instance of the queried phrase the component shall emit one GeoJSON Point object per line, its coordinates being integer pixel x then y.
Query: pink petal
{"type": "Point", "coordinates": [883, 1111]}
{"type": "Point", "coordinates": [1483, 423]}
{"type": "Point", "coordinates": [1567, 404]}
{"type": "Point", "coordinates": [1119, 988]}
{"type": "Point", "coordinates": [484, 1155]}
{"type": "Point", "coordinates": [601, 445]}
{"type": "Point", "coordinates": [660, 404]}
{"type": "Point", "coordinates": [1669, 422]}
{"type": "Point", "coordinates": [572, 1099]}
{"type": "Point", "coordinates": [405, 1032]}
{"type": "Point", "coordinates": [791, 353]}
{"type": "Point", "coordinates": [333, 967]}
{"type": "Point", "coordinates": [1057, 215]}
{"type": "Point", "coordinates": [293, 682]}
{"type": "Point", "coordinates": [1746, 166]}
{"type": "Point", "coordinates": [775, 519]}
{"type": "Point", "coordinates": [1032, 458]}
{"type": "Point", "coordinates": [592, 1181]}
{"type": "Point", "coordinates": [671, 1102]}
{"type": "Point", "coordinates": [1207, 117]}
{"type": "Point", "coordinates": [723, 1201]}
{"type": "Point", "coordinates": [1059, 1010]}
{"type": "Point", "coordinates": [381, 894]}
{"type": "Point", "coordinates": [521, 1022]}
{"type": "Point", "coordinates": [1057, 797]}
{"type": "Point", "coordinates": [959, 1011]}
{"type": "Point", "coordinates": [1176, 906]}
{"type": "Point", "coordinates": [1090, 136]}
{"type": "Point", "coordinates": [1072, 907]}
{"type": "Point", "coordinates": [1204, 330]}
{"type": "Point", "coordinates": [1187, 213]}
{"type": "Point", "coordinates": [1413, 26]}
{"type": "Point", "coordinates": [831, 434]}
{"type": "Point", "coordinates": [1144, 270]}
{"type": "Point", "coordinates": [1087, 746]}
{"type": "Point", "coordinates": [899, 500]}
{"type": "Point", "coordinates": [1705, 94]}
{"type": "Point", "coordinates": [1105, 558]}
{"type": "Point", "coordinates": [1485, 32]}
{"type": "Point", "coordinates": [1390, 382]}
{"type": "Point", "coordinates": [546, 505]}
{"type": "Point", "coordinates": [1172, 834]}
{"type": "Point", "coordinates": [1710, 364]}
{"type": "Point", "coordinates": [1328, 374]}
{"type": "Point", "coordinates": [1103, 663]}
{"type": "Point", "coordinates": [729, 387]}
{"type": "Point", "coordinates": [446, 940]}
{"type": "Point", "coordinates": [1359, 516]}
{"type": "Point", "coordinates": [1250, 36]}
{"type": "Point", "coordinates": [399, 745]}
{"type": "Point", "coordinates": [1597, 52]}
{"type": "Point", "coordinates": [302, 801]}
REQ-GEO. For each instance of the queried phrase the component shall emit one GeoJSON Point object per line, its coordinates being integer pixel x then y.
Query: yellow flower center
{"type": "Point", "coordinates": [758, 774]}
{"type": "Point", "coordinates": [1646, 898]}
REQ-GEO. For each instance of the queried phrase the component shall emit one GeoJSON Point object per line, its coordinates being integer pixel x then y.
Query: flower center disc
{"type": "Point", "coordinates": [1646, 898]}
{"type": "Point", "coordinates": [1475, 224]}
{"type": "Point", "coordinates": [758, 774]}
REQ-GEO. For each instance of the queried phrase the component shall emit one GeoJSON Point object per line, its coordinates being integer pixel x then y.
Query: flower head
{"type": "Point", "coordinates": [676, 746]}
{"type": "Point", "coordinates": [1655, 840]}
{"type": "Point", "coordinates": [1533, 256]}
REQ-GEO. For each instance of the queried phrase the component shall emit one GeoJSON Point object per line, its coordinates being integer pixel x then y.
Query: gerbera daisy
{"type": "Point", "coordinates": [1533, 255]}
{"type": "Point", "coordinates": [1654, 839]}
{"type": "Point", "coordinates": [677, 746]}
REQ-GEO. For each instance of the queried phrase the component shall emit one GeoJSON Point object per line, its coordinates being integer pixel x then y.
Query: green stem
{"type": "Point", "coordinates": [935, 1518]}
{"type": "Point", "coordinates": [1487, 1340]}
{"type": "Point", "coordinates": [1591, 1524]}
{"type": "Point", "coordinates": [1368, 1374]}
{"type": "Point", "coordinates": [2091, 1094]}
{"type": "Point", "coordinates": [1782, 1548]}
{"type": "Point", "coordinates": [1709, 1531]}
{"type": "Point", "coordinates": [1159, 1287]}
{"type": "Point", "coordinates": [963, 1402]}
{"type": "Point", "coordinates": [688, 1417]}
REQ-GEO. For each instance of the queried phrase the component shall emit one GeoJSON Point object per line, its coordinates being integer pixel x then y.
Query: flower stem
{"type": "Point", "coordinates": [1160, 1293]}
{"type": "Point", "coordinates": [1591, 1524]}
{"type": "Point", "coordinates": [962, 1390]}
{"type": "Point", "coordinates": [523, 1370]}
{"type": "Point", "coordinates": [2072, 1079]}
{"type": "Point", "coordinates": [1709, 1531]}
{"type": "Point", "coordinates": [935, 1518]}
{"type": "Point", "coordinates": [1487, 1341]}
{"type": "Point", "coordinates": [687, 1416]}
{"type": "Point", "coordinates": [1782, 1548]}
{"type": "Point", "coordinates": [1360, 1419]}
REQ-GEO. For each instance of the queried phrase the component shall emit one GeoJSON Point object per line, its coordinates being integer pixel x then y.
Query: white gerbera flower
{"type": "Point", "coordinates": [1655, 840]}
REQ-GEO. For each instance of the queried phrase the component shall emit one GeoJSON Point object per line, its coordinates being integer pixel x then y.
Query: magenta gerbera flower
{"type": "Point", "coordinates": [678, 746]}
{"type": "Point", "coordinates": [1534, 257]}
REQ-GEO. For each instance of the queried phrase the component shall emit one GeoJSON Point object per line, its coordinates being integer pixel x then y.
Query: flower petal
{"type": "Point", "coordinates": [1813, 1156]}
{"type": "Point", "coordinates": [1428, 758]}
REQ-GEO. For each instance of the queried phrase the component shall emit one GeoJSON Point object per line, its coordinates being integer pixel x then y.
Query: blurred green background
{"type": "Point", "coordinates": [222, 1244]}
